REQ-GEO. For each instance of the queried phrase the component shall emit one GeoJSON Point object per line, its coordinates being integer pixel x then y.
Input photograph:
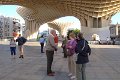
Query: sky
{"type": "Point", "coordinates": [116, 18]}
{"type": "Point", "coordinates": [10, 11]}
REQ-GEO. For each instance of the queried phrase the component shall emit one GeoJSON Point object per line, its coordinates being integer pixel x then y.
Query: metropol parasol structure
{"type": "Point", "coordinates": [91, 13]}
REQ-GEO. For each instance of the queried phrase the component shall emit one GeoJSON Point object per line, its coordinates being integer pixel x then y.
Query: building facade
{"type": "Point", "coordinates": [1, 27]}
{"type": "Point", "coordinates": [115, 31]}
{"type": "Point", "coordinates": [8, 26]}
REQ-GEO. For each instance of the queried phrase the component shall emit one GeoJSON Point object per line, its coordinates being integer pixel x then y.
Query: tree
{"type": "Point", "coordinates": [75, 31]}
{"type": "Point", "coordinates": [69, 31]}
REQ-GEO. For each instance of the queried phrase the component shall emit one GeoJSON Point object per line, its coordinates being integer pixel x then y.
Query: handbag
{"type": "Point", "coordinates": [69, 53]}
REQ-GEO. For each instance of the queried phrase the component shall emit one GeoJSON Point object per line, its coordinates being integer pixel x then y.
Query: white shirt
{"type": "Point", "coordinates": [42, 40]}
{"type": "Point", "coordinates": [12, 44]}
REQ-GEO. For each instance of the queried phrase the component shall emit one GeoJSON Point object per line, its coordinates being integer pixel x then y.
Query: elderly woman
{"type": "Point", "coordinates": [71, 44]}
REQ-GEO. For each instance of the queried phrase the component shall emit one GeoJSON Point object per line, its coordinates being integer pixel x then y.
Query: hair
{"type": "Point", "coordinates": [42, 35]}
{"type": "Point", "coordinates": [53, 32]}
{"type": "Point", "coordinates": [12, 39]}
{"type": "Point", "coordinates": [80, 36]}
{"type": "Point", "coordinates": [72, 35]}
{"type": "Point", "coordinates": [19, 34]}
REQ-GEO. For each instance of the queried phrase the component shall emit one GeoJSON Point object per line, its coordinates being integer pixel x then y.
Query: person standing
{"type": "Point", "coordinates": [71, 44]}
{"type": "Point", "coordinates": [50, 48]}
{"type": "Point", "coordinates": [21, 41]}
{"type": "Point", "coordinates": [108, 40]}
{"type": "Point", "coordinates": [13, 48]}
{"type": "Point", "coordinates": [42, 41]}
{"type": "Point", "coordinates": [64, 42]}
{"type": "Point", "coordinates": [82, 51]}
{"type": "Point", "coordinates": [56, 39]}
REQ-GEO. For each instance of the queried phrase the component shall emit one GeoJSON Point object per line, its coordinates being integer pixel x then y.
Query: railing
{"type": "Point", "coordinates": [104, 42]}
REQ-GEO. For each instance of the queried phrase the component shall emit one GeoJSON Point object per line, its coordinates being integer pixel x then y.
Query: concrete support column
{"type": "Point", "coordinates": [98, 22]}
{"type": "Point", "coordinates": [30, 24]}
{"type": "Point", "coordinates": [33, 31]}
{"type": "Point", "coordinates": [84, 22]}
{"type": "Point", "coordinates": [105, 22]}
{"type": "Point", "coordinates": [27, 30]}
{"type": "Point", "coordinates": [37, 25]}
{"type": "Point", "coordinates": [64, 31]}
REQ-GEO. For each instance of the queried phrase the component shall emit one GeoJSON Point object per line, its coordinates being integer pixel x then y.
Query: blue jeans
{"type": "Point", "coordinates": [13, 50]}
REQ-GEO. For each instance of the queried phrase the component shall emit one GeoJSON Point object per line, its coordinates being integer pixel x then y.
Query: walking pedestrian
{"type": "Point", "coordinates": [50, 48]}
{"type": "Point", "coordinates": [71, 44]}
{"type": "Point", "coordinates": [13, 48]}
{"type": "Point", "coordinates": [42, 41]}
{"type": "Point", "coordinates": [82, 51]}
{"type": "Point", "coordinates": [21, 41]}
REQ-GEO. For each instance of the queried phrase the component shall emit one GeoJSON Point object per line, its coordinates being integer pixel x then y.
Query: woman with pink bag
{"type": "Point", "coordinates": [71, 44]}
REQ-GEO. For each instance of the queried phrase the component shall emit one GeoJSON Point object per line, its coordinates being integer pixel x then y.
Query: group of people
{"type": "Point", "coordinates": [21, 41]}
{"type": "Point", "coordinates": [76, 49]}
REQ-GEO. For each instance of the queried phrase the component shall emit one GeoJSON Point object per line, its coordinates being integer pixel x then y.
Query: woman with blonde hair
{"type": "Point", "coordinates": [71, 44]}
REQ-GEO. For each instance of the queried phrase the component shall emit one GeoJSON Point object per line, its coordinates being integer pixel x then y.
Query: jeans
{"type": "Point", "coordinates": [80, 71]}
{"type": "Point", "coordinates": [13, 50]}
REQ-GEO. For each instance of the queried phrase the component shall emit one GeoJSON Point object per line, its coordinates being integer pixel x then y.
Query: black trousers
{"type": "Point", "coordinates": [64, 52]}
{"type": "Point", "coordinates": [49, 55]}
{"type": "Point", "coordinates": [42, 45]}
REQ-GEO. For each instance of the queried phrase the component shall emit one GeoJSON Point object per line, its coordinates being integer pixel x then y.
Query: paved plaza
{"type": "Point", "coordinates": [104, 64]}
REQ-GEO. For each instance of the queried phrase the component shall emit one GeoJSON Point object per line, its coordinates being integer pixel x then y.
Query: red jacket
{"type": "Point", "coordinates": [56, 39]}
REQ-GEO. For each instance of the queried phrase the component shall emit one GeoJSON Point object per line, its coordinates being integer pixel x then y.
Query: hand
{"type": "Point", "coordinates": [55, 49]}
{"type": "Point", "coordinates": [70, 46]}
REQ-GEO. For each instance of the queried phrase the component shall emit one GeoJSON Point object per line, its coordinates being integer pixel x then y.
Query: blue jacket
{"type": "Point", "coordinates": [82, 57]}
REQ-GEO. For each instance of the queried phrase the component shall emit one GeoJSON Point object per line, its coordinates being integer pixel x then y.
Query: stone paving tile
{"type": "Point", "coordinates": [104, 64]}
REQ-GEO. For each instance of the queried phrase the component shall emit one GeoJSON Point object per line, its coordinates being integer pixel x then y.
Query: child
{"type": "Point", "coordinates": [13, 48]}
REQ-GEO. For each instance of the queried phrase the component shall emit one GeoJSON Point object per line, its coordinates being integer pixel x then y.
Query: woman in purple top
{"type": "Point", "coordinates": [71, 44]}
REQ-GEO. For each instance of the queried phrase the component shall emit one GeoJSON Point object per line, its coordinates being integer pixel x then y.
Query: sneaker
{"type": "Point", "coordinates": [70, 74]}
{"type": "Point", "coordinates": [50, 74]}
{"type": "Point", "coordinates": [20, 56]}
{"type": "Point", "coordinates": [73, 77]}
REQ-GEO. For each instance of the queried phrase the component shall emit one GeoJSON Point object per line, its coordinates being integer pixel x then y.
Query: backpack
{"type": "Point", "coordinates": [21, 40]}
{"type": "Point", "coordinates": [24, 40]}
{"type": "Point", "coordinates": [86, 51]}
{"type": "Point", "coordinates": [71, 51]}
{"type": "Point", "coordinates": [83, 50]}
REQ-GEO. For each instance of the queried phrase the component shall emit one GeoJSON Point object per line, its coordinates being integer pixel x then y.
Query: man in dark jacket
{"type": "Point", "coordinates": [82, 50]}
{"type": "Point", "coordinates": [21, 41]}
